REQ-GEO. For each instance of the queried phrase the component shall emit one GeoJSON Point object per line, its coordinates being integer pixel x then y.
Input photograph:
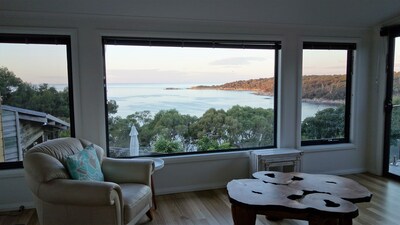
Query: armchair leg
{"type": "Point", "coordinates": [149, 214]}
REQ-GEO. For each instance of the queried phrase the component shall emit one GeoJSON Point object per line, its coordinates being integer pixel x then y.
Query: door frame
{"type": "Point", "coordinates": [391, 32]}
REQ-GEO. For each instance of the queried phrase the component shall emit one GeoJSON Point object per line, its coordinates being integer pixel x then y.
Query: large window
{"type": "Point", "coordinates": [326, 93]}
{"type": "Point", "coordinates": [35, 93]}
{"type": "Point", "coordinates": [189, 96]}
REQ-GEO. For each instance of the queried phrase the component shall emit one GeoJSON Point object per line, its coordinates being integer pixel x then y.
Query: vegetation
{"type": "Point", "coordinates": [331, 88]}
{"type": "Point", "coordinates": [260, 86]}
{"type": "Point", "coordinates": [43, 98]}
{"type": "Point", "coordinates": [395, 123]}
{"type": "Point", "coordinates": [315, 87]}
{"type": "Point", "coordinates": [326, 124]}
{"type": "Point", "coordinates": [170, 131]}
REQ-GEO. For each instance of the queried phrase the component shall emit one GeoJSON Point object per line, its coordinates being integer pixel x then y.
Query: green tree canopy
{"type": "Point", "coordinates": [169, 125]}
{"type": "Point", "coordinates": [326, 124]}
{"type": "Point", "coordinates": [9, 82]}
{"type": "Point", "coordinates": [169, 131]}
{"type": "Point", "coordinates": [43, 98]}
{"type": "Point", "coordinates": [250, 127]}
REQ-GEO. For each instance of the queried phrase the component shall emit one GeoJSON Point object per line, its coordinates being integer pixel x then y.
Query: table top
{"type": "Point", "coordinates": [299, 191]}
{"type": "Point", "coordinates": [335, 185]}
{"type": "Point", "coordinates": [158, 163]}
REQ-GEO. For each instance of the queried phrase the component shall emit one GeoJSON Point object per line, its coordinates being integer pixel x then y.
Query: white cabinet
{"type": "Point", "coordinates": [279, 159]}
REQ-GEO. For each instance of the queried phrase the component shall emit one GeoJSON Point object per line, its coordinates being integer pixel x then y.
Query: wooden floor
{"type": "Point", "coordinates": [213, 207]}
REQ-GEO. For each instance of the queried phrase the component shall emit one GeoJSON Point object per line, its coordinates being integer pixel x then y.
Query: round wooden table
{"type": "Point", "coordinates": [319, 199]}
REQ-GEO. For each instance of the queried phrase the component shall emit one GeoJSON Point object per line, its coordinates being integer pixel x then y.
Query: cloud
{"type": "Point", "coordinates": [235, 61]}
{"type": "Point", "coordinates": [327, 70]}
{"type": "Point", "coordinates": [173, 76]}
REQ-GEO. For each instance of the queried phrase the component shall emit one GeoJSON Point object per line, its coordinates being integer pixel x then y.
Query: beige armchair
{"type": "Point", "coordinates": [123, 198]}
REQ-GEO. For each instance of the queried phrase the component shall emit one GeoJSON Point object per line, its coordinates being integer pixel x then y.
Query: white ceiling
{"type": "Point", "coordinates": [340, 13]}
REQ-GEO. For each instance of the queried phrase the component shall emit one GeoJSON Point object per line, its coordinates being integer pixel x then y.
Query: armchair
{"type": "Point", "coordinates": [122, 199]}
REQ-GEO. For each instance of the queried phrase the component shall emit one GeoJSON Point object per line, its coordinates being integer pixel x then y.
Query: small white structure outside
{"type": "Point", "coordinates": [134, 144]}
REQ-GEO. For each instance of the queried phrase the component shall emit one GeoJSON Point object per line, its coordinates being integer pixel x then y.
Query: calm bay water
{"type": "Point", "coordinates": [155, 97]}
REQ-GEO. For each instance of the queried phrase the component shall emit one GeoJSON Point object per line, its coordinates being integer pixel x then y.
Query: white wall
{"type": "Point", "coordinates": [376, 96]}
{"type": "Point", "coordinates": [206, 171]}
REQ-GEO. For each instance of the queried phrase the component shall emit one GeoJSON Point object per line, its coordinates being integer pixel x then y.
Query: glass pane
{"type": "Point", "coordinates": [395, 122]}
{"type": "Point", "coordinates": [171, 99]}
{"type": "Point", "coordinates": [323, 94]}
{"type": "Point", "coordinates": [35, 100]}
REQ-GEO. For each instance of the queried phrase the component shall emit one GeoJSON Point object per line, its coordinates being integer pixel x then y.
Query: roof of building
{"type": "Point", "coordinates": [36, 116]}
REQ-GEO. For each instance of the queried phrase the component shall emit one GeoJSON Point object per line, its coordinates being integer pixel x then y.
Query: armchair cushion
{"type": "Point", "coordinates": [136, 197]}
{"type": "Point", "coordinates": [85, 165]}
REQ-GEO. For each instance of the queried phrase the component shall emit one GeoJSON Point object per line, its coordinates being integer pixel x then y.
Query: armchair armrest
{"type": "Point", "coordinates": [77, 192]}
{"type": "Point", "coordinates": [128, 170]}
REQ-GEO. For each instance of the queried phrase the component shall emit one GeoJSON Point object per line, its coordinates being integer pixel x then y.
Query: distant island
{"type": "Point", "coordinates": [172, 88]}
{"type": "Point", "coordinates": [330, 89]}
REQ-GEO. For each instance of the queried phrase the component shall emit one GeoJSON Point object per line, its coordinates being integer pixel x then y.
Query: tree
{"type": "Point", "coordinates": [118, 131]}
{"type": "Point", "coordinates": [250, 127]}
{"type": "Point", "coordinates": [240, 127]}
{"type": "Point", "coordinates": [169, 125]}
{"type": "Point", "coordinates": [210, 126]}
{"type": "Point", "coordinates": [112, 107]}
{"type": "Point", "coordinates": [395, 123]}
{"type": "Point", "coordinates": [207, 144]}
{"type": "Point", "coordinates": [43, 98]}
{"type": "Point", "coordinates": [119, 128]}
{"type": "Point", "coordinates": [326, 124]}
{"type": "Point", "coordinates": [163, 145]}
{"type": "Point", "coordinates": [9, 82]}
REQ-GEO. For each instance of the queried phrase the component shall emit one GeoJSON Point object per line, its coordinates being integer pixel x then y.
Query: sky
{"type": "Point", "coordinates": [36, 63]}
{"type": "Point", "coordinates": [138, 64]}
{"type": "Point", "coordinates": [397, 54]}
{"type": "Point", "coordinates": [324, 62]}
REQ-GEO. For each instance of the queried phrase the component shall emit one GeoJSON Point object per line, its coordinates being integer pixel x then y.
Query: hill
{"type": "Point", "coordinates": [324, 88]}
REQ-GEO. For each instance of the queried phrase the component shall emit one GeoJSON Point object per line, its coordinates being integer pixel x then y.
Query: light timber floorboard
{"type": "Point", "coordinates": [213, 208]}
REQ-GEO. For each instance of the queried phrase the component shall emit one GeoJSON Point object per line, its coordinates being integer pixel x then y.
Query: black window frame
{"type": "Point", "coordinates": [17, 38]}
{"type": "Point", "coordinates": [391, 33]}
{"type": "Point", "coordinates": [199, 43]}
{"type": "Point", "coordinates": [351, 48]}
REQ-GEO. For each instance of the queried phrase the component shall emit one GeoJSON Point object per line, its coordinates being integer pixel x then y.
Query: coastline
{"type": "Point", "coordinates": [262, 93]}
{"type": "Point", "coordinates": [324, 101]}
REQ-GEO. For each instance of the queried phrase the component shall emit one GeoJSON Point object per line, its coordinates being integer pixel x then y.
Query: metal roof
{"type": "Point", "coordinates": [36, 116]}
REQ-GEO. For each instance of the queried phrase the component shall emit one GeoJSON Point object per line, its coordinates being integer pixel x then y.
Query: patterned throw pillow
{"type": "Point", "coordinates": [85, 165]}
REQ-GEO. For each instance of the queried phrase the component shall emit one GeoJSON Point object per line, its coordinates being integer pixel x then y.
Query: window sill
{"type": "Point", "coordinates": [205, 157]}
{"type": "Point", "coordinates": [177, 159]}
{"type": "Point", "coordinates": [324, 148]}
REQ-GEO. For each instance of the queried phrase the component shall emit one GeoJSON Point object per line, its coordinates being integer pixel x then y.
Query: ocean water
{"type": "Point", "coordinates": [155, 97]}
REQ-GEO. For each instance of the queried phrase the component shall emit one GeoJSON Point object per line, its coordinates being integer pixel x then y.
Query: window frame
{"type": "Point", "coordinates": [391, 33]}
{"type": "Point", "coordinates": [351, 48]}
{"type": "Point", "coordinates": [50, 39]}
{"type": "Point", "coordinates": [198, 43]}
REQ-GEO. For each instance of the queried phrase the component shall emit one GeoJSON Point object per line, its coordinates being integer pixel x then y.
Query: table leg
{"type": "Point", "coordinates": [272, 218]}
{"type": "Point", "coordinates": [331, 222]}
{"type": "Point", "coordinates": [243, 215]}
{"type": "Point", "coordinates": [322, 221]}
{"type": "Point", "coordinates": [318, 220]}
{"type": "Point", "coordinates": [345, 221]}
{"type": "Point", "coordinates": [153, 194]}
